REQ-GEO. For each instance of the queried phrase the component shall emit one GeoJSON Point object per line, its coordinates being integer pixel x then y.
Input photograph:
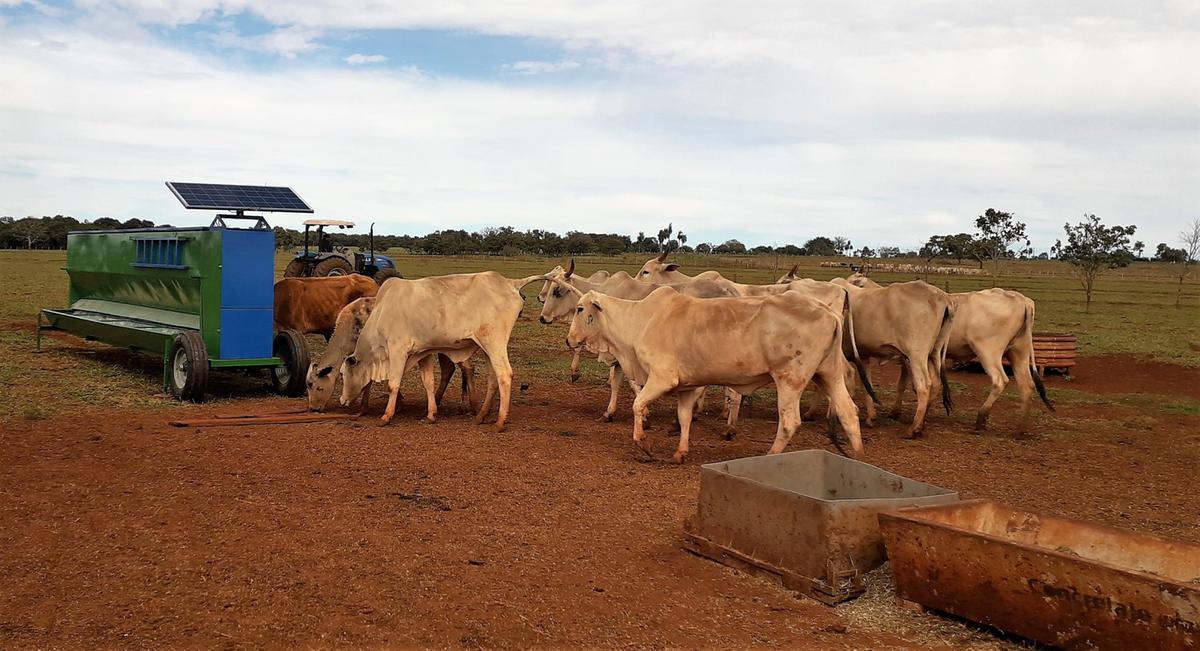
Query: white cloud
{"type": "Point", "coordinates": [359, 59]}
{"type": "Point", "coordinates": [540, 67]}
{"type": "Point", "coordinates": [771, 122]}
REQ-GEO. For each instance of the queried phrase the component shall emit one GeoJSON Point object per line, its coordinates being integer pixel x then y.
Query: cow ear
{"type": "Point", "coordinates": [597, 306]}
{"type": "Point", "coordinates": [325, 371]}
{"type": "Point", "coordinates": [671, 267]}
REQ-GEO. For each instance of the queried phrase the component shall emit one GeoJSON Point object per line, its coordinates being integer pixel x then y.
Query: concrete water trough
{"type": "Point", "coordinates": [808, 518]}
{"type": "Point", "coordinates": [1062, 582]}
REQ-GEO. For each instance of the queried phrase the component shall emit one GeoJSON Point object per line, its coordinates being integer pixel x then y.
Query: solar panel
{"type": "Point", "coordinates": [218, 196]}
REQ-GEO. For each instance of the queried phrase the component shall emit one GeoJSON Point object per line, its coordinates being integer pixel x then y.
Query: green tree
{"type": "Point", "coordinates": [999, 236]}
{"type": "Point", "coordinates": [821, 245]}
{"type": "Point", "coordinates": [1092, 247]}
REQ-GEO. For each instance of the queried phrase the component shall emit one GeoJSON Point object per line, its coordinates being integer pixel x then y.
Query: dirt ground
{"type": "Point", "coordinates": [119, 531]}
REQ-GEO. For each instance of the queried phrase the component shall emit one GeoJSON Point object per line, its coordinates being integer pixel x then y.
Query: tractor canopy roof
{"type": "Point", "coordinates": [340, 223]}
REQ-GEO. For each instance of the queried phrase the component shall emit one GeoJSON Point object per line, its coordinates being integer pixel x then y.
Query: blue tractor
{"type": "Point", "coordinates": [328, 260]}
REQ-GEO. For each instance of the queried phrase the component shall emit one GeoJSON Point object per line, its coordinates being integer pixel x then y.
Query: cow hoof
{"type": "Point", "coordinates": [894, 414]}
{"type": "Point", "coordinates": [502, 427]}
{"type": "Point", "coordinates": [679, 457]}
{"type": "Point", "coordinates": [574, 377]}
{"type": "Point", "coordinates": [606, 418]}
{"type": "Point", "coordinates": [730, 434]}
{"type": "Point", "coordinates": [980, 423]}
{"type": "Point", "coordinates": [912, 434]}
{"type": "Point", "coordinates": [431, 419]}
{"type": "Point", "coordinates": [869, 423]}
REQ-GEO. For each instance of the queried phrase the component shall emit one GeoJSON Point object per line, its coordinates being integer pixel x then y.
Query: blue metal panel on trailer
{"type": "Point", "coordinates": [247, 293]}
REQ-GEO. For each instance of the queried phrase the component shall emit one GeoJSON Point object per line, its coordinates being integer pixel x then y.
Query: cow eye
{"type": "Point", "coordinates": [579, 309]}
{"type": "Point", "coordinates": [557, 292]}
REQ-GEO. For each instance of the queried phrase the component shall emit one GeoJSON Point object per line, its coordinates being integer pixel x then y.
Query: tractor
{"type": "Point", "coordinates": [328, 260]}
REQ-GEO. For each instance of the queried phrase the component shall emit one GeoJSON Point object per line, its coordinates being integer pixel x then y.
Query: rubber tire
{"type": "Point", "coordinates": [384, 274]}
{"type": "Point", "coordinates": [293, 350]}
{"type": "Point", "coordinates": [294, 269]}
{"type": "Point", "coordinates": [196, 380]}
{"type": "Point", "coordinates": [333, 267]}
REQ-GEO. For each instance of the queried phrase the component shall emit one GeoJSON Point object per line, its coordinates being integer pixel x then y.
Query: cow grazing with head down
{"type": "Point", "coordinates": [323, 374]}
{"type": "Point", "coordinates": [561, 301]}
{"type": "Point", "coordinates": [911, 321]}
{"type": "Point", "coordinates": [658, 270]}
{"type": "Point", "coordinates": [454, 315]}
{"type": "Point", "coordinates": [671, 343]}
{"type": "Point", "coordinates": [311, 305]}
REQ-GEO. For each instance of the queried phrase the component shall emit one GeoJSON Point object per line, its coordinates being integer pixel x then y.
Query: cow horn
{"type": "Point", "coordinates": [795, 270]}
{"type": "Point", "coordinates": [662, 257]}
{"type": "Point", "coordinates": [564, 283]}
{"type": "Point", "coordinates": [570, 269]}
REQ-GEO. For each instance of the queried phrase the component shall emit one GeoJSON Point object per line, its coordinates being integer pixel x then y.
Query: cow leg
{"type": "Point", "coordinates": [789, 413]}
{"type": "Point", "coordinates": [614, 386]}
{"type": "Point", "coordinates": [397, 360]}
{"type": "Point", "coordinates": [467, 371]}
{"type": "Point", "coordinates": [366, 394]}
{"type": "Point", "coordinates": [870, 422]}
{"type": "Point", "coordinates": [497, 352]}
{"type": "Point", "coordinates": [687, 402]}
{"type": "Point", "coordinates": [654, 389]}
{"type": "Point", "coordinates": [1019, 361]}
{"type": "Point", "coordinates": [431, 398]}
{"type": "Point", "coordinates": [993, 365]}
{"type": "Point", "coordinates": [901, 384]}
{"type": "Point", "coordinates": [843, 407]}
{"type": "Point", "coordinates": [733, 403]}
{"type": "Point", "coordinates": [918, 368]}
{"type": "Point", "coordinates": [393, 394]}
{"type": "Point", "coordinates": [575, 364]}
{"type": "Point", "coordinates": [701, 402]}
{"type": "Point", "coordinates": [446, 369]}
{"type": "Point", "coordinates": [489, 396]}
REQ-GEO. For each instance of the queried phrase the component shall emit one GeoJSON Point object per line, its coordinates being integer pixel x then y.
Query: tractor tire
{"type": "Point", "coordinates": [384, 274]}
{"type": "Point", "coordinates": [333, 267]}
{"type": "Point", "coordinates": [188, 375]}
{"type": "Point", "coordinates": [289, 378]}
{"type": "Point", "coordinates": [294, 269]}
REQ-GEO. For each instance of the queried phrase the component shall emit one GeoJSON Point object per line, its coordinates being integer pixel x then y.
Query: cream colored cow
{"type": "Point", "coordinates": [671, 343]}
{"type": "Point", "coordinates": [658, 270]}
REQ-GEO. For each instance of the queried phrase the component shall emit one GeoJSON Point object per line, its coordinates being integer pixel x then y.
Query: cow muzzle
{"type": "Point", "coordinates": [545, 321]}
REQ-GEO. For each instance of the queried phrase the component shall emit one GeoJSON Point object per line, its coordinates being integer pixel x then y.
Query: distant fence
{"type": "Point", "coordinates": [905, 268]}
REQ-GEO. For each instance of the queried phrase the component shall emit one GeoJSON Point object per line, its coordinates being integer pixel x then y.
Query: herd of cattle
{"type": "Point", "coordinates": [666, 332]}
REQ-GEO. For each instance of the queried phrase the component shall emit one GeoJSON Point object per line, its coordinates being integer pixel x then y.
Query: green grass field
{"type": "Point", "coordinates": [1133, 314]}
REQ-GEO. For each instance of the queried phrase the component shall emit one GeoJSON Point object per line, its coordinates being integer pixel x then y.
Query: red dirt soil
{"type": "Point", "coordinates": [120, 531]}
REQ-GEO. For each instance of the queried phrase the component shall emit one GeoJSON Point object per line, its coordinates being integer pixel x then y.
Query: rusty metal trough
{"type": "Point", "coordinates": [808, 518]}
{"type": "Point", "coordinates": [1058, 581]}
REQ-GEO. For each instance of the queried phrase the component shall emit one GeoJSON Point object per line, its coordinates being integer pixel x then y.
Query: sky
{"type": "Point", "coordinates": [770, 122]}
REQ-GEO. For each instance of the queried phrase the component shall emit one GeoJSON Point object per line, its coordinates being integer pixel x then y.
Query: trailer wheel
{"type": "Point", "coordinates": [288, 378]}
{"type": "Point", "coordinates": [189, 367]}
{"type": "Point", "coordinates": [294, 269]}
{"type": "Point", "coordinates": [333, 267]}
{"type": "Point", "coordinates": [384, 274]}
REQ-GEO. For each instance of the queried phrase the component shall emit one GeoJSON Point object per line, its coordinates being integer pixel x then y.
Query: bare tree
{"type": "Point", "coordinates": [1190, 237]}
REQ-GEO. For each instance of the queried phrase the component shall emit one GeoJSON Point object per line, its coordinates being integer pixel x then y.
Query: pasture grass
{"type": "Point", "coordinates": [1133, 314]}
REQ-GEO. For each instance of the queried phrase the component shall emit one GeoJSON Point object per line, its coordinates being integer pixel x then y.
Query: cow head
{"type": "Point", "coordinates": [323, 374]}
{"type": "Point", "coordinates": [562, 297]}
{"type": "Point", "coordinates": [355, 377]}
{"type": "Point", "coordinates": [658, 270]}
{"type": "Point", "coordinates": [791, 275]}
{"type": "Point", "coordinates": [586, 324]}
{"type": "Point", "coordinates": [548, 286]}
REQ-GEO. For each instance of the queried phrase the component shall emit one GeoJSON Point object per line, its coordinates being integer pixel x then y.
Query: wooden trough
{"type": "Point", "coordinates": [1062, 582]}
{"type": "Point", "coordinates": [1054, 350]}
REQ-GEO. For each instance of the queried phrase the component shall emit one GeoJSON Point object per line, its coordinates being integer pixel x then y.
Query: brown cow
{"type": "Point", "coordinates": [311, 305]}
{"type": "Point", "coordinates": [671, 343]}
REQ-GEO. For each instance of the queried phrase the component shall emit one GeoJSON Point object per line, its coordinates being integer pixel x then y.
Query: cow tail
{"type": "Point", "coordinates": [943, 345]}
{"type": "Point", "coordinates": [848, 318]}
{"type": "Point", "coordinates": [831, 429]}
{"type": "Point", "coordinates": [1027, 326]}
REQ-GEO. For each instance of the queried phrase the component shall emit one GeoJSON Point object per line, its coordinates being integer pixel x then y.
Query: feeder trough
{"type": "Point", "coordinates": [1062, 582]}
{"type": "Point", "coordinates": [808, 519]}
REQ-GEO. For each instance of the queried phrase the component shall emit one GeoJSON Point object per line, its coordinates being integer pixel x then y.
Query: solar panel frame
{"type": "Point", "coordinates": [222, 196]}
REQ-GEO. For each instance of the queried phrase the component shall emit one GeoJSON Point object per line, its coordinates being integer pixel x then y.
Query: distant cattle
{"type": "Point", "coordinates": [671, 343]}
{"type": "Point", "coordinates": [311, 305]}
{"type": "Point", "coordinates": [454, 315]}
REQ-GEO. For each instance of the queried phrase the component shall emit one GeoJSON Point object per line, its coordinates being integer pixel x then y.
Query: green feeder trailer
{"type": "Point", "coordinates": [201, 297]}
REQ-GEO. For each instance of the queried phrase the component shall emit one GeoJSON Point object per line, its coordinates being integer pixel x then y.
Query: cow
{"type": "Point", "coordinates": [453, 315]}
{"type": "Point", "coordinates": [671, 343]}
{"type": "Point", "coordinates": [658, 270]}
{"type": "Point", "coordinates": [989, 326]}
{"type": "Point", "coordinates": [561, 302]}
{"type": "Point", "coordinates": [323, 374]}
{"type": "Point", "coordinates": [548, 287]}
{"type": "Point", "coordinates": [311, 305]}
{"type": "Point", "coordinates": [911, 320]}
